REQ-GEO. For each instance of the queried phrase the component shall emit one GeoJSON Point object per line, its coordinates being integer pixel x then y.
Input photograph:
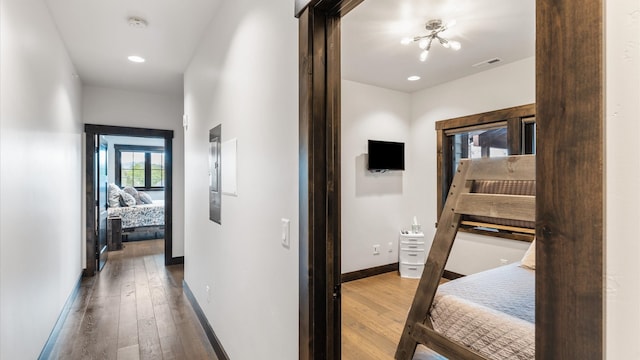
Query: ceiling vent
{"type": "Point", "coordinates": [487, 63]}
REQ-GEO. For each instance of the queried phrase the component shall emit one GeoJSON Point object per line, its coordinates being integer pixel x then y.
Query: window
{"type": "Point", "coordinates": [141, 167]}
{"type": "Point", "coordinates": [477, 143]}
{"type": "Point", "coordinates": [504, 132]}
{"type": "Point", "coordinates": [529, 135]}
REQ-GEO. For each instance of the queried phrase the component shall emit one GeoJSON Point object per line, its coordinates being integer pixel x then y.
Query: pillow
{"type": "Point", "coordinates": [529, 258]}
{"type": "Point", "coordinates": [133, 192]}
{"type": "Point", "coordinates": [113, 195]}
{"type": "Point", "coordinates": [145, 198]}
{"type": "Point", "coordinates": [126, 199]}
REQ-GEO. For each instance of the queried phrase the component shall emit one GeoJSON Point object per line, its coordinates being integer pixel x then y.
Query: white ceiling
{"type": "Point", "coordinates": [371, 34]}
{"type": "Point", "coordinates": [99, 39]}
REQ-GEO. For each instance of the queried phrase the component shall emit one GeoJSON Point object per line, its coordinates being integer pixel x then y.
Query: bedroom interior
{"type": "Point", "coordinates": [137, 190]}
{"type": "Point", "coordinates": [551, 298]}
{"type": "Point", "coordinates": [364, 321]}
{"type": "Point", "coordinates": [390, 112]}
{"type": "Point", "coordinates": [136, 170]}
{"type": "Point", "coordinates": [378, 102]}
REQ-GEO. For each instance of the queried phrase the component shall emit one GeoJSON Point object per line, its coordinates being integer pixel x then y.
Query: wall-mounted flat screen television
{"type": "Point", "coordinates": [386, 155]}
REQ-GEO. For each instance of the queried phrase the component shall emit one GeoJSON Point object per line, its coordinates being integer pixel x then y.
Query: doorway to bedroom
{"type": "Point", "coordinates": [569, 110]}
{"type": "Point", "coordinates": [128, 191]}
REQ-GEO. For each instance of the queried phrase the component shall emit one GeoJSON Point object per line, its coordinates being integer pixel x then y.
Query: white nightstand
{"type": "Point", "coordinates": [413, 255]}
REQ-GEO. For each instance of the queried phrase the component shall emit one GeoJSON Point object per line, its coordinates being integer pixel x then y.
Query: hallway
{"type": "Point", "coordinates": [134, 309]}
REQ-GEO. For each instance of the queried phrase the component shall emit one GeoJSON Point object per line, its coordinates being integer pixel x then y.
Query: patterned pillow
{"type": "Point", "coordinates": [113, 196]}
{"type": "Point", "coordinates": [145, 198]}
{"type": "Point", "coordinates": [126, 199]}
{"type": "Point", "coordinates": [133, 192]}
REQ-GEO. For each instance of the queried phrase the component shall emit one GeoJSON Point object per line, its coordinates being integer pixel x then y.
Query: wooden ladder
{"type": "Point", "coordinates": [461, 201]}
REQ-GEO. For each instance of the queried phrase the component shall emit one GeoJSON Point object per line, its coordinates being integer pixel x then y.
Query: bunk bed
{"type": "Point", "coordinates": [489, 315]}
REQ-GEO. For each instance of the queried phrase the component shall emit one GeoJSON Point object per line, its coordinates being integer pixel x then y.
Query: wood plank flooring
{"type": "Point", "coordinates": [374, 311]}
{"type": "Point", "coordinates": [133, 309]}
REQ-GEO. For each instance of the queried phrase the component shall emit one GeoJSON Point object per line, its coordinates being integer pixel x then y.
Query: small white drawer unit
{"type": "Point", "coordinates": [413, 255]}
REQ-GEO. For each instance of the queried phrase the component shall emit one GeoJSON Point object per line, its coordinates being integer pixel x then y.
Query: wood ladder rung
{"type": "Point", "coordinates": [499, 227]}
{"type": "Point", "coordinates": [514, 207]}
{"type": "Point", "coordinates": [515, 167]}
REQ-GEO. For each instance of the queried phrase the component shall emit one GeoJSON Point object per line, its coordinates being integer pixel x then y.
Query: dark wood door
{"type": "Point", "coordinates": [101, 211]}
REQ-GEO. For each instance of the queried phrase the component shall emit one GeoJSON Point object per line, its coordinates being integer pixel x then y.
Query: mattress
{"type": "Point", "coordinates": [492, 312]}
{"type": "Point", "coordinates": [139, 215]}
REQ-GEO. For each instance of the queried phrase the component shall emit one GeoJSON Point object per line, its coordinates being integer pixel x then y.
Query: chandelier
{"type": "Point", "coordinates": [424, 42]}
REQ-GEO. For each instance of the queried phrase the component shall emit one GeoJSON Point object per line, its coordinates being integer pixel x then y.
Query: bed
{"type": "Point", "coordinates": [491, 312]}
{"type": "Point", "coordinates": [140, 222]}
{"type": "Point", "coordinates": [141, 217]}
{"type": "Point", "coordinates": [489, 315]}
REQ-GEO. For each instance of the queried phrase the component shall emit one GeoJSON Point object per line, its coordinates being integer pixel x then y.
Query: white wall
{"type": "Point", "coordinates": [105, 106]}
{"type": "Point", "coordinates": [505, 86]}
{"type": "Point", "coordinates": [245, 76]}
{"type": "Point", "coordinates": [622, 166]}
{"type": "Point", "coordinates": [40, 178]}
{"type": "Point", "coordinates": [374, 205]}
{"type": "Point", "coordinates": [623, 172]}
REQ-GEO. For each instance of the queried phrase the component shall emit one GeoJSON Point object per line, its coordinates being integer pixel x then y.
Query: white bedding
{"type": "Point", "coordinates": [492, 312]}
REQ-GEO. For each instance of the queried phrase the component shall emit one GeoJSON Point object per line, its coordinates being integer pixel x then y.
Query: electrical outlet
{"type": "Point", "coordinates": [504, 261]}
{"type": "Point", "coordinates": [208, 290]}
{"type": "Point", "coordinates": [390, 247]}
{"type": "Point", "coordinates": [376, 249]}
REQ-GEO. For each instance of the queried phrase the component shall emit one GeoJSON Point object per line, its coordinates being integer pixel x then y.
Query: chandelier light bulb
{"type": "Point", "coordinates": [423, 43]}
{"type": "Point", "coordinates": [454, 45]}
{"type": "Point", "coordinates": [423, 55]}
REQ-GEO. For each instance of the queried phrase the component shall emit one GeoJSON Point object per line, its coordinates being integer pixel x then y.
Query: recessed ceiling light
{"type": "Point", "coordinates": [413, 78]}
{"type": "Point", "coordinates": [136, 59]}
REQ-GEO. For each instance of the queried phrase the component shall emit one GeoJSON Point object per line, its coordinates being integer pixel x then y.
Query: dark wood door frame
{"type": "Point", "coordinates": [570, 187]}
{"type": "Point", "coordinates": [90, 134]}
{"type": "Point", "coordinates": [570, 179]}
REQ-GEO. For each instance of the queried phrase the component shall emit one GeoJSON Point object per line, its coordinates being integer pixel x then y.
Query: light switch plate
{"type": "Point", "coordinates": [286, 238]}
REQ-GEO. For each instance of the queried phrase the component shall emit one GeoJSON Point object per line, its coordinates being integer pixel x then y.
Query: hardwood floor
{"type": "Point", "coordinates": [374, 311]}
{"type": "Point", "coordinates": [134, 309]}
